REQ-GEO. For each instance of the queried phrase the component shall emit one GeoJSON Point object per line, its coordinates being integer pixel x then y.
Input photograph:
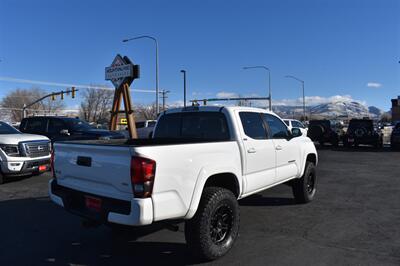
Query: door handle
{"type": "Point", "coordinates": [251, 150]}
{"type": "Point", "coordinates": [278, 148]}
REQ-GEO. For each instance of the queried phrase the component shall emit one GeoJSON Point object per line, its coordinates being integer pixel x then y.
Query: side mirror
{"type": "Point", "coordinates": [296, 132]}
{"type": "Point", "coordinates": [64, 132]}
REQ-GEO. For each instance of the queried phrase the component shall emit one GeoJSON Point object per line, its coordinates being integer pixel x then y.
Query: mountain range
{"type": "Point", "coordinates": [331, 110]}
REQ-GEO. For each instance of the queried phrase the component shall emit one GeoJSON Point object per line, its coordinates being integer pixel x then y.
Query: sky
{"type": "Point", "coordinates": [342, 49]}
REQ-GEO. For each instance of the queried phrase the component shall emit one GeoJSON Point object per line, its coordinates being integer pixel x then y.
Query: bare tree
{"type": "Point", "coordinates": [14, 101]}
{"type": "Point", "coordinates": [96, 105]}
{"type": "Point", "coordinates": [147, 112]}
{"type": "Point", "coordinates": [386, 118]}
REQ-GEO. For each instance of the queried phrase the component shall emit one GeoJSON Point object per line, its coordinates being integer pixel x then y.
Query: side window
{"type": "Point", "coordinates": [297, 124]}
{"type": "Point", "coordinates": [56, 125]}
{"type": "Point", "coordinates": [37, 125]}
{"type": "Point", "coordinates": [139, 124]}
{"type": "Point", "coordinates": [253, 125]}
{"type": "Point", "coordinates": [278, 129]}
{"type": "Point", "coordinates": [287, 122]}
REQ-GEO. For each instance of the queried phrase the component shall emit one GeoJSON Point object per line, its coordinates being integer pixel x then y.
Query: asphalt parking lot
{"type": "Point", "coordinates": [355, 220]}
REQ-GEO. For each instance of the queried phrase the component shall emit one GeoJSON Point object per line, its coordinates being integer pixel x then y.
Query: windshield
{"type": "Point", "coordinates": [77, 124]}
{"type": "Point", "coordinates": [7, 129]}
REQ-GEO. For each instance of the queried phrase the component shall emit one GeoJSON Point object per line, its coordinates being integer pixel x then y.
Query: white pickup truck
{"type": "Point", "coordinates": [200, 161]}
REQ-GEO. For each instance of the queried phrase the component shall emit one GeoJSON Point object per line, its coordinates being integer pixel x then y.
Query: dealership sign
{"type": "Point", "coordinates": [121, 71]}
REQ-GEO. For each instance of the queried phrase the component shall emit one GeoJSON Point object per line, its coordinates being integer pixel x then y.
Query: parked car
{"type": "Point", "coordinates": [362, 131]}
{"type": "Point", "coordinates": [395, 137]}
{"type": "Point", "coordinates": [323, 131]}
{"type": "Point", "coordinates": [200, 161]}
{"type": "Point", "coordinates": [145, 128]}
{"type": "Point", "coordinates": [22, 154]}
{"type": "Point", "coordinates": [65, 128]}
{"type": "Point", "coordinates": [291, 123]}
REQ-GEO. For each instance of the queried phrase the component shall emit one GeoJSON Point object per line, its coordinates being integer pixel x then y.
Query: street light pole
{"type": "Point", "coordinates": [156, 43]}
{"type": "Point", "coordinates": [304, 97]}
{"type": "Point", "coordinates": [269, 82]}
{"type": "Point", "coordinates": [184, 87]}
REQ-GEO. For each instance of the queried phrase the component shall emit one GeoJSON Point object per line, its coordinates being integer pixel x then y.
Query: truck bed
{"type": "Point", "coordinates": [142, 142]}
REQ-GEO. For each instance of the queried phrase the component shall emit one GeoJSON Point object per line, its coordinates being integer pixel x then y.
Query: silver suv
{"type": "Point", "coordinates": [22, 154]}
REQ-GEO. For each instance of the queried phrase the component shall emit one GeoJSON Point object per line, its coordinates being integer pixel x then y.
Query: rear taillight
{"type": "Point", "coordinates": [52, 163]}
{"type": "Point", "coordinates": [142, 176]}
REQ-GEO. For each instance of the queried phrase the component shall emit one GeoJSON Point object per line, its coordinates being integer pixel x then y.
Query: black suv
{"type": "Point", "coordinates": [395, 137]}
{"type": "Point", "coordinates": [65, 128]}
{"type": "Point", "coordinates": [362, 131]}
{"type": "Point", "coordinates": [323, 131]}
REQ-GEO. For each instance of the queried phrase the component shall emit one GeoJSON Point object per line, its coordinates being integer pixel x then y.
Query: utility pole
{"type": "Point", "coordinates": [164, 97]}
{"type": "Point", "coordinates": [184, 87]}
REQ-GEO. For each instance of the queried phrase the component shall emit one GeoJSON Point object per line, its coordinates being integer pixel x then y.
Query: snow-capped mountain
{"type": "Point", "coordinates": [331, 110]}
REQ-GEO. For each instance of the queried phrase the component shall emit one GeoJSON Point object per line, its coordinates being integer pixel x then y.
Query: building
{"type": "Point", "coordinates": [396, 109]}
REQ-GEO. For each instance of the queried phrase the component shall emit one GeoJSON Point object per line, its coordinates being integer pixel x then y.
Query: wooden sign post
{"type": "Point", "coordinates": [122, 72]}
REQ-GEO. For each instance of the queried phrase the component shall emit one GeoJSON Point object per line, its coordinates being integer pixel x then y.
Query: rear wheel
{"type": "Point", "coordinates": [210, 234]}
{"type": "Point", "coordinates": [304, 189]}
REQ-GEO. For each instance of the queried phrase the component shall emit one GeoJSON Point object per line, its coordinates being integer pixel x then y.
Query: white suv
{"type": "Point", "coordinates": [292, 123]}
{"type": "Point", "coordinates": [22, 154]}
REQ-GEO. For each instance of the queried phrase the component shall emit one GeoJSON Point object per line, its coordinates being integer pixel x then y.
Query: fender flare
{"type": "Point", "coordinates": [204, 174]}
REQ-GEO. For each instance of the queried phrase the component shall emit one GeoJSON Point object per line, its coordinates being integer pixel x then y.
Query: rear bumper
{"type": "Point", "coordinates": [133, 212]}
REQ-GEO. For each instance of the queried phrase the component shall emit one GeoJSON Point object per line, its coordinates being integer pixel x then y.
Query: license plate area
{"type": "Point", "coordinates": [93, 204]}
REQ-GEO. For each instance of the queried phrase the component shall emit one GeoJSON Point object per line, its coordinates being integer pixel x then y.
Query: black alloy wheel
{"type": "Point", "coordinates": [221, 224]}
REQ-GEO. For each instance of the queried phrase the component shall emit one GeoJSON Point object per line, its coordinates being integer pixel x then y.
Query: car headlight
{"type": "Point", "coordinates": [11, 150]}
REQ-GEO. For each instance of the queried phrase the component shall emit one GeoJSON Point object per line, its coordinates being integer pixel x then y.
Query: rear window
{"type": "Point", "coordinates": [35, 125]}
{"type": "Point", "coordinates": [354, 124]}
{"type": "Point", "coordinates": [151, 124]}
{"type": "Point", "coordinates": [193, 125]}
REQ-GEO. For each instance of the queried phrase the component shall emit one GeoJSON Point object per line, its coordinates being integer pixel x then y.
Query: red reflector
{"type": "Point", "coordinates": [93, 203]}
{"type": "Point", "coordinates": [42, 168]}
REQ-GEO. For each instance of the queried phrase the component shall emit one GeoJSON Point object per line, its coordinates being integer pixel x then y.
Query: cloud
{"type": "Point", "coordinates": [374, 85]}
{"type": "Point", "coordinates": [225, 94]}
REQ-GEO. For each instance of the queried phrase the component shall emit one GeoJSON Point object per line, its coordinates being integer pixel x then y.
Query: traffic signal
{"type": "Point", "coordinates": [62, 95]}
{"type": "Point", "coordinates": [53, 97]}
{"type": "Point", "coordinates": [73, 92]}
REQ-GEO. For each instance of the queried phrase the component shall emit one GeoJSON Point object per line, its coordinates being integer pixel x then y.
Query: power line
{"type": "Point", "coordinates": [57, 84]}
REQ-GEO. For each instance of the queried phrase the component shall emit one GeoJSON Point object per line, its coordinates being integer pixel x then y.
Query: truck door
{"type": "Point", "coordinates": [287, 150]}
{"type": "Point", "coordinates": [259, 152]}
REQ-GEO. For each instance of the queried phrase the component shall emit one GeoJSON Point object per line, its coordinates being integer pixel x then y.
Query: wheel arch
{"type": "Point", "coordinates": [224, 179]}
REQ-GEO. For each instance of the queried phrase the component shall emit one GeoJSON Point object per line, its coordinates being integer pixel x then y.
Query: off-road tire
{"type": "Point", "coordinates": [304, 189]}
{"type": "Point", "coordinates": [316, 132]}
{"type": "Point", "coordinates": [200, 230]}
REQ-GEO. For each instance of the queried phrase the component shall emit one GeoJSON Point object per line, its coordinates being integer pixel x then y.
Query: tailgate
{"type": "Point", "coordinates": [96, 169]}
